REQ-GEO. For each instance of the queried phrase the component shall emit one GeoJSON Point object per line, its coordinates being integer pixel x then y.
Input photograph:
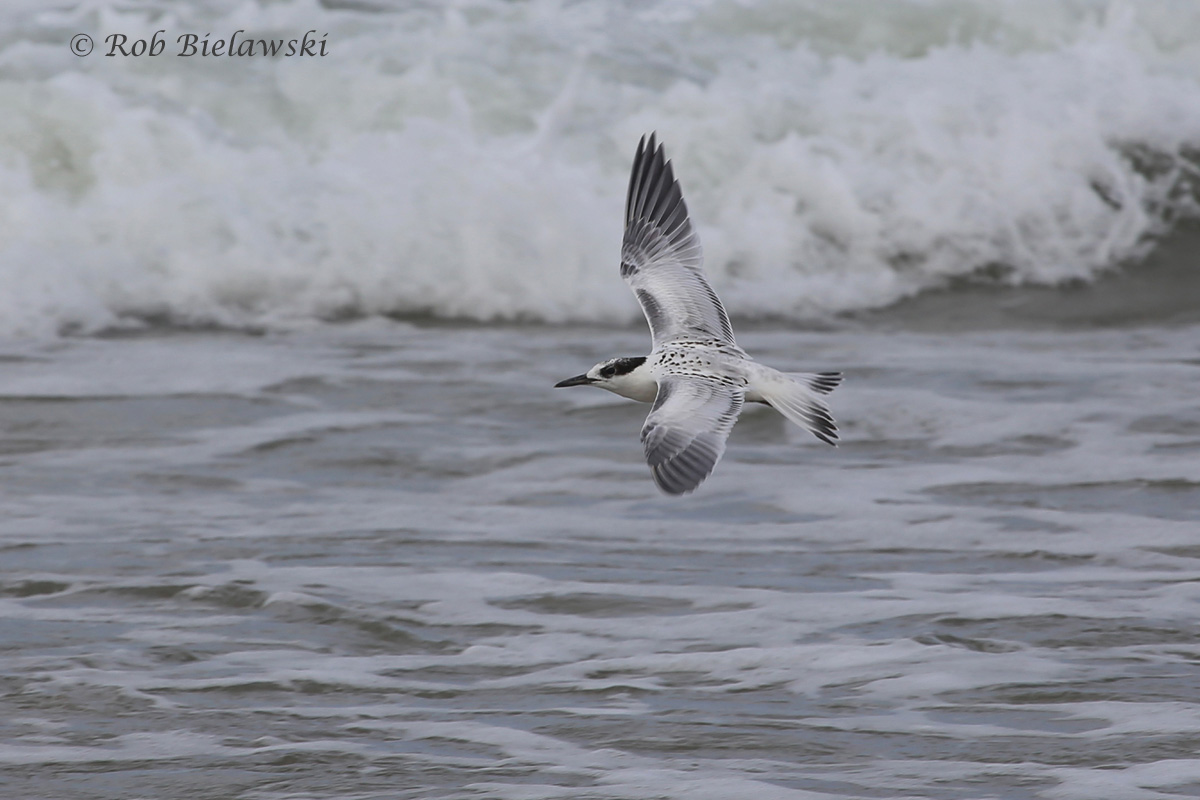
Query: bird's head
{"type": "Point", "coordinates": [624, 376]}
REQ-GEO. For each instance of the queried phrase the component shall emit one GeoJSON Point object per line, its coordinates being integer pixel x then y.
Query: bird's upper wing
{"type": "Point", "coordinates": [661, 255]}
{"type": "Point", "coordinates": [685, 432]}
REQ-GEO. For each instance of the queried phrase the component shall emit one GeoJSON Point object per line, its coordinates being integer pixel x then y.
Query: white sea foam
{"type": "Point", "coordinates": [470, 160]}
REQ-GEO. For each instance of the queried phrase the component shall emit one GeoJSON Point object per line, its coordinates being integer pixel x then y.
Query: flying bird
{"type": "Point", "coordinates": [696, 375]}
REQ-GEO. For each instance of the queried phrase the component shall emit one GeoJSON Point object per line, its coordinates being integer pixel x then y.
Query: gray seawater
{"type": "Point", "coordinates": [386, 560]}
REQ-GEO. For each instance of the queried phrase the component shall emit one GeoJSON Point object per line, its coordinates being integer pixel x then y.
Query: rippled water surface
{"type": "Point", "coordinates": [385, 560]}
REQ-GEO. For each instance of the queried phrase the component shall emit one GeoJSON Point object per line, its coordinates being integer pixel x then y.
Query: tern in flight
{"type": "Point", "coordinates": [696, 375]}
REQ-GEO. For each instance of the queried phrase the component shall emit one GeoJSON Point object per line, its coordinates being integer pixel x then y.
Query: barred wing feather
{"type": "Point", "coordinates": [661, 256]}
{"type": "Point", "coordinates": [685, 432]}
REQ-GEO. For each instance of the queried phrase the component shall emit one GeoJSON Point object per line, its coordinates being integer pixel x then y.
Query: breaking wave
{"type": "Point", "coordinates": [469, 160]}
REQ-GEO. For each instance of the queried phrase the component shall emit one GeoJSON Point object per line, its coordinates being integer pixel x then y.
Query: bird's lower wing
{"type": "Point", "coordinates": [685, 432]}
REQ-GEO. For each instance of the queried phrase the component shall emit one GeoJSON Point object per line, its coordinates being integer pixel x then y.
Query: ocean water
{"type": "Point", "coordinates": [289, 509]}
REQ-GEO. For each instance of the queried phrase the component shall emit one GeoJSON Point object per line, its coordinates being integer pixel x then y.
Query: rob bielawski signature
{"type": "Point", "coordinates": [187, 45]}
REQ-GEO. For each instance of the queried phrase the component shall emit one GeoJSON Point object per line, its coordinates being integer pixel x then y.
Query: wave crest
{"type": "Point", "coordinates": [474, 164]}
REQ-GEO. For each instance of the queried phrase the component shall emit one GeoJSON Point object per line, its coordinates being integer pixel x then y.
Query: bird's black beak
{"type": "Point", "coordinates": [578, 380]}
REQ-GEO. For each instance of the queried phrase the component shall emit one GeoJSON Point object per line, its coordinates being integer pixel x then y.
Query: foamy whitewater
{"type": "Point", "coordinates": [290, 511]}
{"type": "Point", "coordinates": [468, 159]}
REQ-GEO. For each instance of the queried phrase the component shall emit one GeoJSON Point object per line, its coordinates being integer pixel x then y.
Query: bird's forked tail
{"type": "Point", "coordinates": [797, 395]}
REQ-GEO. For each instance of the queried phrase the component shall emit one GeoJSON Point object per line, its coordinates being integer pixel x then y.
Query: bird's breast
{"type": "Point", "coordinates": [641, 391]}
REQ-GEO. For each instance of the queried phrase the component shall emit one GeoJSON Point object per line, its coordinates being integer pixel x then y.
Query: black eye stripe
{"type": "Point", "coordinates": [620, 366]}
{"type": "Point", "coordinates": [624, 366]}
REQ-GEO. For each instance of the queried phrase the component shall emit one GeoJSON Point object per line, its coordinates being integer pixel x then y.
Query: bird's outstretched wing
{"type": "Point", "coordinates": [685, 432]}
{"type": "Point", "coordinates": [661, 256]}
